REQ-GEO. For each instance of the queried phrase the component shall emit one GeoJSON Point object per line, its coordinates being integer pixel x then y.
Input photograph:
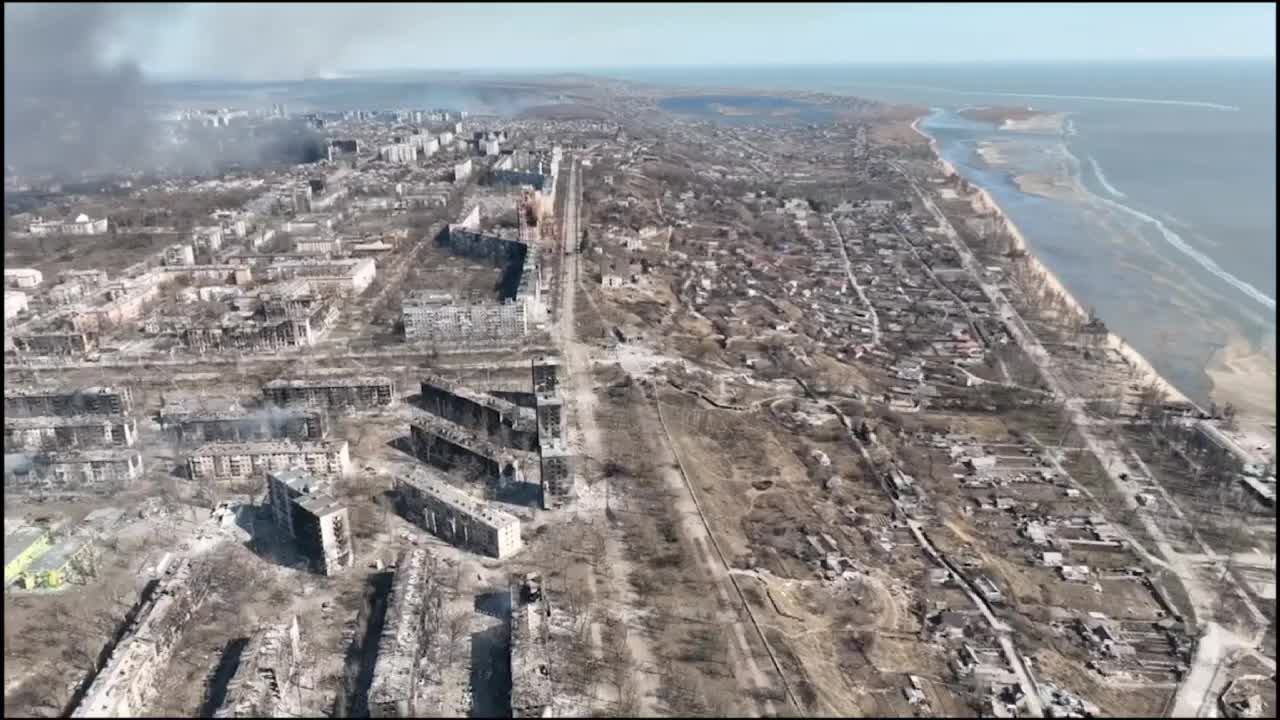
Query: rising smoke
{"type": "Point", "coordinates": [71, 110]}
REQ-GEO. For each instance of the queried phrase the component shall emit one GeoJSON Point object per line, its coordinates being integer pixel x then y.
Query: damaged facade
{"type": "Point", "coordinates": [127, 683]}
{"type": "Point", "coordinates": [435, 316]}
{"type": "Point", "coordinates": [268, 666]}
{"type": "Point", "coordinates": [240, 461]}
{"type": "Point", "coordinates": [331, 392]}
{"type": "Point", "coordinates": [410, 621]}
{"type": "Point", "coordinates": [321, 527]}
{"type": "Point", "coordinates": [456, 517]}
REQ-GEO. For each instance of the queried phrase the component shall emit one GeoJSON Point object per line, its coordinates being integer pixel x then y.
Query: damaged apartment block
{"type": "Point", "coordinates": [83, 438]}
{"type": "Point", "coordinates": [37, 401]}
{"type": "Point", "coordinates": [242, 461]}
{"type": "Point", "coordinates": [64, 433]}
{"type": "Point", "coordinates": [514, 426]}
{"type": "Point", "coordinates": [268, 667]}
{"type": "Point", "coordinates": [456, 517]}
{"type": "Point", "coordinates": [234, 425]}
{"type": "Point", "coordinates": [398, 675]}
{"type": "Point", "coordinates": [530, 659]}
{"type": "Point", "coordinates": [436, 316]}
{"type": "Point", "coordinates": [448, 445]}
{"type": "Point", "coordinates": [128, 681]}
{"type": "Point", "coordinates": [302, 507]}
{"type": "Point", "coordinates": [332, 392]}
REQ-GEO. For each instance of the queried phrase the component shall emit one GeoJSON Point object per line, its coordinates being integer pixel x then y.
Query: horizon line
{"type": "Point", "coordinates": [346, 73]}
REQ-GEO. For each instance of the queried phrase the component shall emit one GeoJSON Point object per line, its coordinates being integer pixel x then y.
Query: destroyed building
{"type": "Point", "coordinates": [333, 392]}
{"type": "Point", "coordinates": [531, 694]}
{"type": "Point", "coordinates": [409, 622]}
{"type": "Point", "coordinates": [448, 445]}
{"type": "Point", "coordinates": [504, 421]}
{"type": "Point", "coordinates": [302, 506]}
{"type": "Point", "coordinates": [275, 324]}
{"type": "Point", "coordinates": [80, 470]}
{"type": "Point", "coordinates": [456, 517]}
{"type": "Point", "coordinates": [556, 474]}
{"type": "Point", "coordinates": [127, 682]}
{"type": "Point", "coordinates": [53, 341]}
{"type": "Point", "coordinates": [271, 423]}
{"type": "Point", "coordinates": [434, 316]}
{"type": "Point", "coordinates": [237, 461]}
{"type": "Point", "coordinates": [268, 666]}
{"type": "Point", "coordinates": [69, 432]}
{"type": "Point", "coordinates": [36, 401]}
{"type": "Point", "coordinates": [546, 374]}
{"type": "Point", "coordinates": [550, 412]}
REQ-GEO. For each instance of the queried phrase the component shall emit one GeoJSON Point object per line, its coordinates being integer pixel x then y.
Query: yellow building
{"type": "Point", "coordinates": [53, 568]}
{"type": "Point", "coordinates": [21, 547]}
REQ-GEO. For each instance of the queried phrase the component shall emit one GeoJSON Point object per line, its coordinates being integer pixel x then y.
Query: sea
{"type": "Point", "coordinates": [1167, 227]}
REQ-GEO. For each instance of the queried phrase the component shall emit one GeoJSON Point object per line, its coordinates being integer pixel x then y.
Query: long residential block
{"type": "Point", "coordinates": [127, 683]}
{"type": "Point", "coordinates": [37, 401]}
{"type": "Point", "coordinates": [510, 424]}
{"type": "Point", "coordinates": [234, 461]}
{"type": "Point", "coordinates": [69, 432]}
{"type": "Point", "coordinates": [335, 392]}
{"type": "Point", "coordinates": [269, 423]}
{"type": "Point", "coordinates": [448, 445]}
{"type": "Point", "coordinates": [394, 689]}
{"type": "Point", "coordinates": [456, 517]}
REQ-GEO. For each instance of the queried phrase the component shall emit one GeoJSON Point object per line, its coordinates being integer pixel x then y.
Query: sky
{"type": "Point", "coordinates": [288, 41]}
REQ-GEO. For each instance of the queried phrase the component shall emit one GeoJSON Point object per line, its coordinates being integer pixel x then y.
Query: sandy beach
{"type": "Point", "coordinates": [1245, 376]}
{"type": "Point", "coordinates": [982, 201]}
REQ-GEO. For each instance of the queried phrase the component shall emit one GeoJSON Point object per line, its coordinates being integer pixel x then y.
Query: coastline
{"type": "Point", "coordinates": [982, 201]}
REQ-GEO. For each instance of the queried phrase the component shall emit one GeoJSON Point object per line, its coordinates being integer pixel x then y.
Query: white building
{"type": "Point", "coordinates": [15, 303]}
{"type": "Point", "coordinates": [462, 170]}
{"type": "Point", "coordinates": [208, 239]}
{"type": "Point", "coordinates": [82, 225]}
{"type": "Point", "coordinates": [318, 245]}
{"type": "Point", "coordinates": [179, 254]}
{"type": "Point", "coordinates": [23, 277]}
{"type": "Point", "coordinates": [231, 461]}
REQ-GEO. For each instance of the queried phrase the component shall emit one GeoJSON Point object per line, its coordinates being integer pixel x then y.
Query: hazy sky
{"type": "Point", "coordinates": [288, 40]}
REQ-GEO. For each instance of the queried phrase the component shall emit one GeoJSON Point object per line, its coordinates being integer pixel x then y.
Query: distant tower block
{"type": "Point", "coordinates": [546, 374]}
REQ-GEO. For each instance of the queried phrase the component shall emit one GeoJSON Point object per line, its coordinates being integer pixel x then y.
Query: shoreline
{"type": "Point", "coordinates": [982, 201]}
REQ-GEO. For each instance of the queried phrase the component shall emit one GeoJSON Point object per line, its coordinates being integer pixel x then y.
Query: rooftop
{"type": "Point", "coordinates": [425, 482]}
{"type": "Point", "coordinates": [324, 381]}
{"type": "Point", "coordinates": [271, 446]}
{"type": "Point", "coordinates": [16, 542]}
{"type": "Point", "coordinates": [58, 555]}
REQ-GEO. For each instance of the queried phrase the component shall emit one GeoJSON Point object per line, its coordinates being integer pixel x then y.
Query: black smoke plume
{"type": "Point", "coordinates": [70, 111]}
